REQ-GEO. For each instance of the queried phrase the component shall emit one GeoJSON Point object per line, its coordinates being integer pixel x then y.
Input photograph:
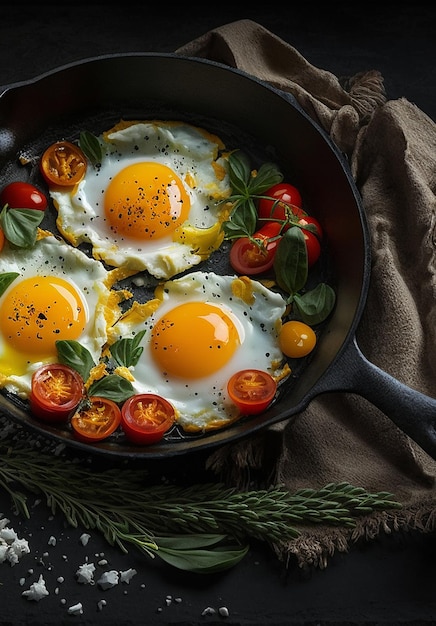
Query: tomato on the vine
{"type": "Point", "coordinates": [296, 339]}
{"type": "Point", "coordinates": [312, 238]}
{"type": "Point", "coordinates": [146, 417]}
{"type": "Point", "coordinates": [56, 392]}
{"type": "Point", "coordinates": [63, 163]}
{"type": "Point", "coordinates": [98, 419]}
{"type": "Point", "coordinates": [279, 200]}
{"type": "Point", "coordinates": [255, 257]}
{"type": "Point", "coordinates": [22, 195]}
{"type": "Point", "coordinates": [251, 390]}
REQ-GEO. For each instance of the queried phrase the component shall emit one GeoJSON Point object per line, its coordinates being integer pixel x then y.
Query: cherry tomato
{"type": "Point", "coordinates": [282, 198]}
{"type": "Point", "coordinates": [20, 195]}
{"type": "Point", "coordinates": [56, 392]}
{"type": "Point", "coordinates": [63, 163]}
{"type": "Point", "coordinates": [146, 417]}
{"type": "Point", "coordinates": [2, 239]}
{"type": "Point", "coordinates": [248, 257]}
{"type": "Point", "coordinates": [251, 390]}
{"type": "Point", "coordinates": [296, 339]}
{"type": "Point", "coordinates": [312, 238]}
{"type": "Point", "coordinates": [98, 419]}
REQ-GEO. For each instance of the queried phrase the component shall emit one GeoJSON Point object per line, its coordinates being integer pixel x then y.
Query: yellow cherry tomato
{"type": "Point", "coordinates": [296, 339]}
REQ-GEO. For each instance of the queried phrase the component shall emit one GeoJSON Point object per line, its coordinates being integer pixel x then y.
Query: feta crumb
{"type": "Point", "coordinates": [208, 611]}
{"type": "Point", "coordinates": [76, 609]}
{"type": "Point", "coordinates": [37, 590]}
{"type": "Point", "coordinates": [85, 573]}
{"type": "Point", "coordinates": [84, 538]}
{"type": "Point", "coordinates": [108, 579]}
{"type": "Point", "coordinates": [101, 604]}
{"type": "Point", "coordinates": [223, 611]}
{"type": "Point", "coordinates": [127, 575]}
{"type": "Point", "coordinates": [12, 547]}
{"type": "Point", "coordinates": [52, 541]}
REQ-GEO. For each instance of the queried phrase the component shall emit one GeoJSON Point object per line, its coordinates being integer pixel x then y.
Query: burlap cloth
{"type": "Point", "coordinates": [391, 146]}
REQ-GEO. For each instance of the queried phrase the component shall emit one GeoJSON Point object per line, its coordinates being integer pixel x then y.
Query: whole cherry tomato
{"type": "Point", "coordinates": [282, 199]}
{"type": "Point", "coordinates": [98, 419]}
{"type": "Point", "coordinates": [56, 392]}
{"type": "Point", "coordinates": [312, 238]}
{"type": "Point", "coordinates": [146, 417]}
{"type": "Point", "coordinates": [2, 239]}
{"type": "Point", "coordinates": [296, 339]}
{"type": "Point", "coordinates": [63, 163]}
{"type": "Point", "coordinates": [21, 195]}
{"type": "Point", "coordinates": [248, 257]}
{"type": "Point", "coordinates": [251, 390]}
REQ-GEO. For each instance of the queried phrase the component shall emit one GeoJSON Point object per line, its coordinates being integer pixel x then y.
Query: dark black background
{"type": "Point", "coordinates": [391, 580]}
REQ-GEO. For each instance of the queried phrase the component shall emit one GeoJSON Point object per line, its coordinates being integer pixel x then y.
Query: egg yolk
{"type": "Point", "coordinates": [194, 340]}
{"type": "Point", "coordinates": [146, 201]}
{"type": "Point", "coordinates": [34, 315]}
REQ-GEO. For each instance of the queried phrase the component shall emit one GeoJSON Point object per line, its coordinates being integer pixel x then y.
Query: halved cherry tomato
{"type": "Point", "coordinates": [146, 417]}
{"type": "Point", "coordinates": [56, 392]}
{"type": "Point", "coordinates": [251, 390]}
{"type": "Point", "coordinates": [248, 257]}
{"type": "Point", "coordinates": [282, 199]}
{"type": "Point", "coordinates": [296, 339]}
{"type": "Point", "coordinates": [98, 419]}
{"type": "Point", "coordinates": [21, 195]}
{"type": "Point", "coordinates": [63, 163]}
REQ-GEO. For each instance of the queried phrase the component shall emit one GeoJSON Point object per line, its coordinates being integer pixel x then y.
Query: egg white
{"type": "Point", "coordinates": [52, 257]}
{"type": "Point", "coordinates": [194, 155]}
{"type": "Point", "coordinates": [202, 404]}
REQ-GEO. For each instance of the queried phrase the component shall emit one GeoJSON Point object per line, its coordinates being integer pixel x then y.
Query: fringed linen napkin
{"type": "Point", "coordinates": [391, 147]}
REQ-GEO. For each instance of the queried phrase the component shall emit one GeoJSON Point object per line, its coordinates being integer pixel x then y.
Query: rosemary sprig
{"type": "Point", "coordinates": [201, 528]}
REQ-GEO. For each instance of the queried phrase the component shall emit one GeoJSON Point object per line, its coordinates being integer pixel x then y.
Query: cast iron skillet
{"type": "Point", "coordinates": [95, 93]}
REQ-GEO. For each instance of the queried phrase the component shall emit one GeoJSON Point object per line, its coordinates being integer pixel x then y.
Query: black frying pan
{"type": "Point", "coordinates": [267, 123]}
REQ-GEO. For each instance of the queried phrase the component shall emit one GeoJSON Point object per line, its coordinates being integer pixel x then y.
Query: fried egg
{"type": "Point", "coordinates": [199, 330]}
{"type": "Point", "coordinates": [58, 293]}
{"type": "Point", "coordinates": [154, 203]}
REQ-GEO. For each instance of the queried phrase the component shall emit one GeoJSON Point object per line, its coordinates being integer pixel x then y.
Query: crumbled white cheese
{"type": "Point", "coordinates": [223, 611]}
{"type": "Point", "coordinates": [101, 604]}
{"type": "Point", "coordinates": [85, 573]}
{"type": "Point", "coordinates": [76, 609]}
{"type": "Point", "coordinates": [84, 538]}
{"type": "Point", "coordinates": [127, 575]}
{"type": "Point", "coordinates": [37, 590]}
{"type": "Point", "coordinates": [12, 548]}
{"type": "Point", "coordinates": [108, 579]}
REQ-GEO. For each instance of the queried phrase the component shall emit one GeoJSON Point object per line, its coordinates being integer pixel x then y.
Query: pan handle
{"type": "Point", "coordinates": [410, 410]}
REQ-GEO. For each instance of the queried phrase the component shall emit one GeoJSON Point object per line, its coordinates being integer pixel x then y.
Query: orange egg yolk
{"type": "Point", "coordinates": [146, 201]}
{"type": "Point", "coordinates": [36, 313]}
{"type": "Point", "coordinates": [194, 340]}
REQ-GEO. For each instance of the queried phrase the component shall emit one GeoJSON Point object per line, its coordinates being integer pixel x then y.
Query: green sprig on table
{"type": "Point", "coordinates": [201, 528]}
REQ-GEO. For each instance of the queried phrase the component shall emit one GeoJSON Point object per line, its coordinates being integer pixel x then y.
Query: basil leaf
{"type": "Point", "coordinates": [75, 355]}
{"type": "Point", "coordinates": [112, 386]}
{"type": "Point", "coordinates": [316, 305]}
{"type": "Point", "coordinates": [91, 147]}
{"type": "Point", "coordinates": [290, 261]}
{"type": "Point", "coordinates": [127, 351]}
{"type": "Point", "coordinates": [6, 279]}
{"type": "Point", "coordinates": [20, 225]}
{"type": "Point", "coordinates": [242, 222]}
{"type": "Point", "coordinates": [239, 172]}
{"type": "Point", "coordinates": [267, 175]}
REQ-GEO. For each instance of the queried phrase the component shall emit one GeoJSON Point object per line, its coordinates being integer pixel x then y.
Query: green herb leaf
{"type": "Point", "coordinates": [91, 147]}
{"type": "Point", "coordinates": [242, 221]}
{"type": "Point", "coordinates": [239, 172]}
{"type": "Point", "coordinates": [112, 386]}
{"type": "Point", "coordinates": [316, 305]}
{"type": "Point", "coordinates": [187, 542]}
{"type": "Point", "coordinates": [290, 261]}
{"type": "Point", "coordinates": [75, 355]}
{"type": "Point", "coordinates": [267, 175]}
{"type": "Point", "coordinates": [126, 351]}
{"type": "Point", "coordinates": [202, 561]}
{"type": "Point", "coordinates": [20, 226]}
{"type": "Point", "coordinates": [6, 279]}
